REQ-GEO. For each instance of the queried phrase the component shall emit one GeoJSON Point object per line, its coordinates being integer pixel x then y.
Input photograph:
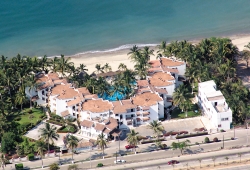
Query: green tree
{"type": "Point", "coordinates": [73, 167]}
{"type": "Point", "coordinates": [48, 133]}
{"type": "Point", "coordinates": [200, 161]}
{"type": "Point", "coordinates": [40, 148]}
{"type": "Point", "coordinates": [21, 97]}
{"type": "Point", "coordinates": [122, 67]}
{"type": "Point", "coordinates": [107, 68]}
{"type": "Point", "coordinates": [227, 159]}
{"type": "Point", "coordinates": [101, 142]}
{"type": "Point", "coordinates": [156, 127]}
{"type": "Point", "coordinates": [54, 166]}
{"type": "Point", "coordinates": [180, 145]}
{"type": "Point", "coordinates": [72, 143]}
{"type": "Point", "coordinates": [99, 69]}
{"type": "Point", "coordinates": [214, 159]}
{"type": "Point", "coordinates": [63, 65]}
{"type": "Point", "coordinates": [246, 56]}
{"type": "Point", "coordinates": [133, 138]}
{"type": "Point", "coordinates": [8, 142]}
{"type": "Point", "coordinates": [2, 161]}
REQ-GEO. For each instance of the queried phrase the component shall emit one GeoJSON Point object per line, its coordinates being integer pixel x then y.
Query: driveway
{"type": "Point", "coordinates": [35, 133]}
{"type": "Point", "coordinates": [188, 124]}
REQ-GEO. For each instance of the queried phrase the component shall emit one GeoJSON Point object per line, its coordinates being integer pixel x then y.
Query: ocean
{"type": "Point", "coordinates": [37, 28]}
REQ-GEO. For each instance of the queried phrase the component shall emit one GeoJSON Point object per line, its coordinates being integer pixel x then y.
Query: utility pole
{"type": "Point", "coordinates": [223, 142]}
{"type": "Point", "coordinates": [116, 157]}
{"type": "Point", "coordinates": [234, 132]}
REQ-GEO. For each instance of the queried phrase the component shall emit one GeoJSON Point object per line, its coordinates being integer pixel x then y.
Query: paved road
{"type": "Point", "coordinates": [241, 139]}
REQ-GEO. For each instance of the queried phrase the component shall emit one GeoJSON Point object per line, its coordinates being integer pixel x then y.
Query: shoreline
{"type": "Point", "coordinates": [115, 57]}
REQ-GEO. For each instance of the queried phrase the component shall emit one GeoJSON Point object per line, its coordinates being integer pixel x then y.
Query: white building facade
{"type": "Point", "coordinates": [214, 105]}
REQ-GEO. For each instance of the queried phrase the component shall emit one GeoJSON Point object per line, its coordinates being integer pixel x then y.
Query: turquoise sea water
{"type": "Point", "coordinates": [68, 27]}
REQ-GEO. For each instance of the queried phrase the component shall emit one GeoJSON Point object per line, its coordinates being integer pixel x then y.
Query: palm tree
{"type": "Point", "coordinates": [2, 161]}
{"type": "Point", "coordinates": [101, 142]}
{"type": "Point", "coordinates": [54, 166]}
{"type": "Point", "coordinates": [227, 159]}
{"type": "Point", "coordinates": [134, 51]}
{"type": "Point", "coordinates": [247, 46]}
{"type": "Point", "coordinates": [180, 96]}
{"type": "Point", "coordinates": [200, 161]}
{"type": "Point", "coordinates": [107, 67]}
{"type": "Point", "coordinates": [49, 134]}
{"type": "Point", "coordinates": [98, 68]}
{"type": "Point", "coordinates": [122, 67]}
{"type": "Point", "coordinates": [72, 142]}
{"type": "Point", "coordinates": [146, 52]}
{"type": "Point", "coordinates": [214, 158]}
{"type": "Point", "coordinates": [162, 47]}
{"type": "Point", "coordinates": [21, 97]}
{"type": "Point", "coordinates": [44, 62]}
{"type": "Point", "coordinates": [32, 84]}
{"type": "Point", "coordinates": [157, 127]}
{"type": "Point", "coordinates": [102, 86]}
{"type": "Point", "coordinates": [180, 145]}
{"type": "Point", "coordinates": [54, 63]}
{"type": "Point", "coordinates": [133, 138]}
{"type": "Point", "coordinates": [246, 56]}
{"type": "Point", "coordinates": [40, 148]}
{"type": "Point", "coordinates": [63, 65]}
{"type": "Point", "coordinates": [91, 85]}
{"type": "Point", "coordinates": [83, 67]}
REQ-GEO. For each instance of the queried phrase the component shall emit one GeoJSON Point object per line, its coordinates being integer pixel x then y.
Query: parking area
{"type": "Point", "coordinates": [35, 133]}
{"type": "Point", "coordinates": [188, 124]}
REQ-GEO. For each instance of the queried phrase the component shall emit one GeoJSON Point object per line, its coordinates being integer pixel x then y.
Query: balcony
{"type": "Point", "coordinates": [129, 118]}
{"type": "Point", "coordinates": [129, 123]}
{"type": "Point", "coordinates": [145, 108]}
{"type": "Point", "coordinates": [169, 99]}
{"type": "Point", "coordinates": [145, 119]}
{"type": "Point", "coordinates": [138, 113]}
{"type": "Point", "coordinates": [145, 113]}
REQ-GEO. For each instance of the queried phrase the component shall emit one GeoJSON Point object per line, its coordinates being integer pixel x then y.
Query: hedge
{"type": "Point", "coordinates": [31, 157]}
{"type": "Point", "coordinates": [54, 122]}
{"type": "Point", "coordinates": [60, 130]}
{"type": "Point", "coordinates": [100, 165]}
{"type": "Point", "coordinates": [191, 135]}
{"type": "Point", "coordinates": [151, 141]}
{"type": "Point", "coordinates": [19, 166]}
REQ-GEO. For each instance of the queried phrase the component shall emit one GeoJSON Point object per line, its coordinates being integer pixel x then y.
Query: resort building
{"type": "Point", "coordinates": [45, 82]}
{"type": "Point", "coordinates": [98, 116]}
{"type": "Point", "coordinates": [214, 105]}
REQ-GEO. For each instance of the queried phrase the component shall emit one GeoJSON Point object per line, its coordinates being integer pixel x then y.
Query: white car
{"type": "Point", "coordinates": [119, 161]}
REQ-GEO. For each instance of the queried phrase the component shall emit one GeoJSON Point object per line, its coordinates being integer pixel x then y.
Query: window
{"type": "Point", "coordinates": [219, 125]}
{"type": "Point", "coordinates": [132, 110]}
{"type": "Point", "coordinates": [121, 123]}
{"type": "Point", "coordinates": [226, 118]}
{"type": "Point", "coordinates": [74, 114]}
{"type": "Point", "coordinates": [116, 114]}
{"type": "Point", "coordinates": [222, 119]}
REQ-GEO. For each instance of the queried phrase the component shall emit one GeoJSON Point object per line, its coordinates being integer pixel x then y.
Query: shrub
{"type": "Point", "coordinates": [100, 165]}
{"type": "Point", "coordinates": [232, 138]}
{"type": "Point", "coordinates": [17, 118]}
{"type": "Point", "coordinates": [215, 139]}
{"type": "Point", "coordinates": [183, 132]}
{"type": "Point", "coordinates": [30, 111]}
{"type": "Point", "coordinates": [15, 156]}
{"type": "Point", "coordinates": [151, 141]}
{"type": "Point", "coordinates": [19, 166]}
{"type": "Point", "coordinates": [222, 130]}
{"type": "Point", "coordinates": [31, 157]}
{"type": "Point", "coordinates": [196, 143]}
{"type": "Point", "coordinates": [207, 140]}
{"type": "Point", "coordinates": [191, 135]}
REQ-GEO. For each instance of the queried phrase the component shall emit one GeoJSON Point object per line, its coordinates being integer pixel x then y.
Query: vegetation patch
{"type": "Point", "coordinates": [67, 129]}
{"type": "Point", "coordinates": [178, 114]}
{"type": "Point", "coordinates": [191, 135]}
{"type": "Point", "coordinates": [34, 116]}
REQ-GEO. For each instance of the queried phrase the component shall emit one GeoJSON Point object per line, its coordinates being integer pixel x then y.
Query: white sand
{"type": "Point", "coordinates": [117, 57]}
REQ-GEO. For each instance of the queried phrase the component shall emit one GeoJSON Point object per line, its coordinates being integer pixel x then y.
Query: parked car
{"type": "Point", "coordinates": [118, 161]}
{"type": "Point", "coordinates": [173, 162]}
{"type": "Point", "coordinates": [130, 146]}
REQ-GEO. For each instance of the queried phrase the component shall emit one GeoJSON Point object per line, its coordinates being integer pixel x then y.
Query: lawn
{"type": "Point", "coordinates": [177, 113]}
{"type": "Point", "coordinates": [68, 128]}
{"type": "Point", "coordinates": [31, 117]}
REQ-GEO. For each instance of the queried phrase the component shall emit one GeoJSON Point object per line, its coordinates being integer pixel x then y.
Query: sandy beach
{"type": "Point", "coordinates": [117, 57]}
